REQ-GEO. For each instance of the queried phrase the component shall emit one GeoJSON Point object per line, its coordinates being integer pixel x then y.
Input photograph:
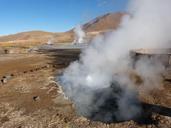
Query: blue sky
{"type": "Point", "coordinates": [52, 15]}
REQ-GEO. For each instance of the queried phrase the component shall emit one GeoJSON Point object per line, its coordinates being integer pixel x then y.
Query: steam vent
{"type": "Point", "coordinates": [106, 104]}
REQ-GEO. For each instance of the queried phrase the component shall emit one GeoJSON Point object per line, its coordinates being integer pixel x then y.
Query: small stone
{"type": "Point", "coordinates": [36, 98]}
{"type": "Point", "coordinates": [25, 72]}
{"type": "Point", "coordinates": [47, 66]}
{"type": "Point", "coordinates": [12, 74]}
{"type": "Point", "coordinates": [4, 81]}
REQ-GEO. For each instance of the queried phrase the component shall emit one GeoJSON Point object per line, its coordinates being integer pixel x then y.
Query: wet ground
{"type": "Point", "coordinates": [30, 97]}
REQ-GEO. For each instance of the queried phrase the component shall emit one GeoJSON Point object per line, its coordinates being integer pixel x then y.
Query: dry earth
{"type": "Point", "coordinates": [30, 97]}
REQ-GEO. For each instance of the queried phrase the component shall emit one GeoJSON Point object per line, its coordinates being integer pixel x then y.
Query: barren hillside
{"type": "Point", "coordinates": [100, 24]}
{"type": "Point", "coordinates": [103, 23]}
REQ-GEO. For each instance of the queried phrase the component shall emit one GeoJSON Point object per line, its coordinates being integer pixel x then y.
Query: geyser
{"type": "Point", "coordinates": [100, 78]}
{"type": "Point", "coordinates": [79, 35]}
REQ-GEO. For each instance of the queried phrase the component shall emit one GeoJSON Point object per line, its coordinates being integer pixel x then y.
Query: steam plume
{"type": "Point", "coordinates": [79, 34]}
{"type": "Point", "coordinates": [107, 62]}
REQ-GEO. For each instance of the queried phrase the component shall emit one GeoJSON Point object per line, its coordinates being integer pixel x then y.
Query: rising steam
{"type": "Point", "coordinates": [103, 71]}
{"type": "Point", "coordinates": [79, 35]}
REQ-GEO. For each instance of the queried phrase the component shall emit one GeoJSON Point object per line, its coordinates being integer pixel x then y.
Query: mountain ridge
{"type": "Point", "coordinates": [99, 24]}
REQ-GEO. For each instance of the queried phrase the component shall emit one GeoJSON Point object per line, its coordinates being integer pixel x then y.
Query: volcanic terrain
{"type": "Point", "coordinates": [30, 95]}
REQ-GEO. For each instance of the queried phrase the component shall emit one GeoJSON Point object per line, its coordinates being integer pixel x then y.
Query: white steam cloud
{"type": "Point", "coordinates": [107, 62]}
{"type": "Point", "coordinates": [79, 34]}
{"type": "Point", "coordinates": [50, 42]}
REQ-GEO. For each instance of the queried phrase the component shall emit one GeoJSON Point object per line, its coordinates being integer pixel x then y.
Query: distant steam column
{"type": "Point", "coordinates": [79, 36]}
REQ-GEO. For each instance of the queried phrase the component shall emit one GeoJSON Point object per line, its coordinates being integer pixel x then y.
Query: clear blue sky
{"type": "Point", "coordinates": [52, 15]}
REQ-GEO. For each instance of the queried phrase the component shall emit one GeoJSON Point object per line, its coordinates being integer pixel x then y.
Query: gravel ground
{"type": "Point", "coordinates": [34, 100]}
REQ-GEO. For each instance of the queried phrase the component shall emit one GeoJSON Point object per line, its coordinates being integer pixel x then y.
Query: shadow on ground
{"type": "Point", "coordinates": [144, 118]}
{"type": "Point", "coordinates": [61, 58]}
{"type": "Point", "coordinates": [108, 111]}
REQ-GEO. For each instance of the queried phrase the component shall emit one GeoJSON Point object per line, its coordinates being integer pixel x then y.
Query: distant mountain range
{"type": "Point", "coordinates": [98, 25]}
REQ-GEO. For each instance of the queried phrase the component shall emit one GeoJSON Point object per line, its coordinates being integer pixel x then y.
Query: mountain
{"type": "Point", "coordinates": [106, 22]}
{"type": "Point", "coordinates": [31, 35]}
{"type": "Point", "coordinates": [100, 24]}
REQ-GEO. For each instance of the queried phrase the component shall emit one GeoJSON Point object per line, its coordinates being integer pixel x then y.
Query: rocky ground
{"type": "Point", "coordinates": [30, 97]}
